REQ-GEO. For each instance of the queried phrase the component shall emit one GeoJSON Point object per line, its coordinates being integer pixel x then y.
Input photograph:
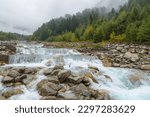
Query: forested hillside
{"type": "Point", "coordinates": [131, 23]}
{"type": "Point", "coordinates": [4, 36]}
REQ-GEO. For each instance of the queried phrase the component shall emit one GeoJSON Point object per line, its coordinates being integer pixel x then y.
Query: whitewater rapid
{"type": "Point", "coordinates": [35, 55]}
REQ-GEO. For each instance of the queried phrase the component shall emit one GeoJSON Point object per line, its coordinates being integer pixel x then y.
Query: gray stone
{"type": "Point", "coordinates": [49, 89]}
{"type": "Point", "coordinates": [145, 67]}
{"type": "Point", "coordinates": [13, 73]}
{"type": "Point", "coordinates": [8, 79]}
{"type": "Point", "coordinates": [63, 75]}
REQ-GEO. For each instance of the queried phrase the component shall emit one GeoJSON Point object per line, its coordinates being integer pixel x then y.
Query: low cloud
{"type": "Point", "coordinates": [25, 16]}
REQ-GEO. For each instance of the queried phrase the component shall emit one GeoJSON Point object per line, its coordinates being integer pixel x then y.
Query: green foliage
{"type": "Point", "coordinates": [98, 34]}
{"type": "Point", "coordinates": [131, 33]}
{"type": "Point", "coordinates": [144, 31]}
{"type": "Point", "coordinates": [88, 34]}
{"type": "Point", "coordinates": [131, 24]}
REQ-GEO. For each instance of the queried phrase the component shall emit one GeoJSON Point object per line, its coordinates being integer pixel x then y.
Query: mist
{"type": "Point", "coordinates": [25, 16]}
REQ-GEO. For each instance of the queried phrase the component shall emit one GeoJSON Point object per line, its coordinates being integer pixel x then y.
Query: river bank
{"type": "Point", "coordinates": [113, 55]}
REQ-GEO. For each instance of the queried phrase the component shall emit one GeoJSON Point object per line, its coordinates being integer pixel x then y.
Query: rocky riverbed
{"type": "Point", "coordinates": [35, 72]}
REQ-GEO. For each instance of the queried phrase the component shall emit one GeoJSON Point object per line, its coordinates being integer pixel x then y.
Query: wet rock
{"type": "Point", "coordinates": [49, 89]}
{"type": "Point", "coordinates": [28, 79]}
{"type": "Point", "coordinates": [8, 79]}
{"type": "Point", "coordinates": [103, 95]}
{"type": "Point", "coordinates": [75, 79]}
{"type": "Point", "coordinates": [63, 75]}
{"type": "Point", "coordinates": [49, 98]}
{"type": "Point", "coordinates": [108, 78]}
{"type": "Point", "coordinates": [12, 92]}
{"type": "Point", "coordinates": [48, 71]}
{"type": "Point", "coordinates": [145, 67]}
{"type": "Point", "coordinates": [49, 63]}
{"type": "Point", "coordinates": [80, 89]}
{"type": "Point", "coordinates": [4, 59]}
{"type": "Point", "coordinates": [89, 75]}
{"type": "Point", "coordinates": [20, 78]}
{"type": "Point", "coordinates": [58, 67]}
{"type": "Point", "coordinates": [13, 73]}
{"type": "Point", "coordinates": [41, 83]}
{"type": "Point", "coordinates": [136, 80]}
{"type": "Point", "coordinates": [55, 72]}
{"type": "Point", "coordinates": [29, 71]}
{"type": "Point", "coordinates": [67, 96]}
{"type": "Point", "coordinates": [2, 98]}
{"type": "Point", "coordinates": [53, 79]}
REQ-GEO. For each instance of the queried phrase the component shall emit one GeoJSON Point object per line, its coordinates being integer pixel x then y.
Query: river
{"type": "Point", "coordinates": [120, 86]}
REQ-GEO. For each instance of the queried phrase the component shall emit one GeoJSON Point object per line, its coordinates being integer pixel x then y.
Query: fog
{"type": "Point", "coordinates": [25, 16]}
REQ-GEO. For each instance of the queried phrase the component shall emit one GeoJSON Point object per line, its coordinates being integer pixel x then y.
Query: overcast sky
{"type": "Point", "coordinates": [25, 16]}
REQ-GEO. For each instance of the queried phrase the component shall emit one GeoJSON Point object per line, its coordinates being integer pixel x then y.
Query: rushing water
{"type": "Point", "coordinates": [34, 55]}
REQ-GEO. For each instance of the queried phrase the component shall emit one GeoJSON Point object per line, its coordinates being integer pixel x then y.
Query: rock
{"type": "Point", "coordinates": [48, 71]}
{"type": "Point", "coordinates": [103, 95]}
{"type": "Point", "coordinates": [93, 68]}
{"type": "Point", "coordinates": [80, 89]}
{"type": "Point", "coordinates": [13, 73]}
{"type": "Point", "coordinates": [21, 70]}
{"type": "Point", "coordinates": [28, 79]}
{"type": "Point", "coordinates": [116, 65]}
{"type": "Point", "coordinates": [132, 57]}
{"type": "Point", "coordinates": [67, 95]}
{"type": "Point", "coordinates": [48, 98]}
{"type": "Point", "coordinates": [2, 98]}
{"type": "Point", "coordinates": [41, 83]}
{"type": "Point", "coordinates": [53, 79]}
{"type": "Point", "coordinates": [119, 48]}
{"type": "Point", "coordinates": [107, 63]}
{"type": "Point", "coordinates": [89, 75]}
{"type": "Point", "coordinates": [49, 89]}
{"type": "Point", "coordinates": [58, 67]}
{"type": "Point", "coordinates": [8, 79]}
{"type": "Point", "coordinates": [132, 50]}
{"type": "Point", "coordinates": [55, 72]}
{"type": "Point", "coordinates": [136, 80]}
{"type": "Point", "coordinates": [49, 63]}
{"type": "Point", "coordinates": [62, 75]}
{"type": "Point", "coordinates": [86, 81]}
{"type": "Point", "coordinates": [20, 78]}
{"type": "Point", "coordinates": [75, 79]}
{"type": "Point", "coordinates": [12, 92]}
{"type": "Point", "coordinates": [4, 59]}
{"type": "Point", "coordinates": [108, 78]}
{"type": "Point", "coordinates": [145, 67]}
{"type": "Point", "coordinates": [29, 71]}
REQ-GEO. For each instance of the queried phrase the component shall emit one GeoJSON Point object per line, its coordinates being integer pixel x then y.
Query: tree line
{"type": "Point", "coordinates": [131, 23]}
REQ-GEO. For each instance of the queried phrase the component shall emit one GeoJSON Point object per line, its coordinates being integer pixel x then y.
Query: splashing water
{"type": "Point", "coordinates": [35, 55]}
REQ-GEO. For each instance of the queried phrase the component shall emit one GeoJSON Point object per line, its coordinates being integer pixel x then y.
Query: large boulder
{"type": "Point", "coordinates": [49, 89]}
{"type": "Point", "coordinates": [63, 75]}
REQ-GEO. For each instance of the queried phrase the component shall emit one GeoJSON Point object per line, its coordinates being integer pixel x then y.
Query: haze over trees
{"type": "Point", "coordinates": [129, 24]}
